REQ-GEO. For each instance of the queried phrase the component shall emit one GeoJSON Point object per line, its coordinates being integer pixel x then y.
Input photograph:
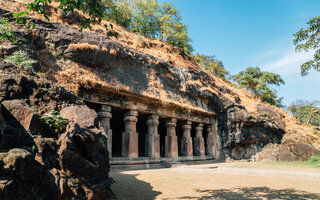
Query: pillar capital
{"type": "Point", "coordinates": [199, 129]}
{"type": "Point", "coordinates": [171, 122]}
{"type": "Point", "coordinates": [153, 120]}
{"type": "Point", "coordinates": [186, 125]}
{"type": "Point", "coordinates": [131, 113]}
{"type": "Point", "coordinates": [105, 108]}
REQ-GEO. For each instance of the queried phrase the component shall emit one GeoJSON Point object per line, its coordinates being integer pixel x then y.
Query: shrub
{"type": "Point", "coordinates": [55, 121]}
{"type": "Point", "coordinates": [20, 58]}
{"type": "Point", "coordinates": [5, 32]}
{"type": "Point", "coordinates": [314, 159]}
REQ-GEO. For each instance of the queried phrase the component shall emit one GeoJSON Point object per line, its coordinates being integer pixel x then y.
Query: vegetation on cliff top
{"type": "Point", "coordinates": [259, 83]}
{"type": "Point", "coordinates": [306, 112]}
{"type": "Point", "coordinates": [309, 39]}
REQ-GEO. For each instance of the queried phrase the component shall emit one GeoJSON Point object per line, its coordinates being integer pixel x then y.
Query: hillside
{"type": "Point", "coordinates": [75, 75]}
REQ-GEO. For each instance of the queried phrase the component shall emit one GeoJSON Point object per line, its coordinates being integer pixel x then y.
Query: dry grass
{"type": "Point", "coordinates": [72, 76]}
{"type": "Point", "coordinates": [84, 46]}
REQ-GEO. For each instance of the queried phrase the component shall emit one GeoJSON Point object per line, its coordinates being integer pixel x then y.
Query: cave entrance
{"type": "Point", "coordinates": [117, 127]}
{"type": "Point", "coordinates": [205, 138]}
{"type": "Point", "coordinates": [142, 129]}
{"type": "Point", "coordinates": [179, 133]}
{"type": "Point", "coordinates": [162, 130]}
{"type": "Point", "coordinates": [193, 135]}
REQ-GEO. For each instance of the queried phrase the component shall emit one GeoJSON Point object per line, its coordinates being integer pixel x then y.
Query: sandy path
{"type": "Point", "coordinates": [228, 181]}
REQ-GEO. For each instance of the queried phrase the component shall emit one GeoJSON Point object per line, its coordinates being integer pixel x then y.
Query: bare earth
{"type": "Point", "coordinates": [256, 181]}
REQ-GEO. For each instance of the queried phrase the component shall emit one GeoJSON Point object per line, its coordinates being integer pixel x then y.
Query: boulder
{"type": "Point", "coordinates": [20, 174]}
{"type": "Point", "coordinates": [26, 116]}
{"type": "Point", "coordinates": [81, 115]}
{"type": "Point", "coordinates": [83, 154]}
{"type": "Point", "coordinates": [46, 152]}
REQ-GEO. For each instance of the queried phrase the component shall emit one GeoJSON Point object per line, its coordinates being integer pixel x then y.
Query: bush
{"type": "Point", "coordinates": [55, 121]}
{"type": "Point", "coordinates": [314, 159]}
{"type": "Point", "coordinates": [20, 58]}
{"type": "Point", "coordinates": [5, 32]}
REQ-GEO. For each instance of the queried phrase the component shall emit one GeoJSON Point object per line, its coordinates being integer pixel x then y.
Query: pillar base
{"type": "Point", "coordinates": [186, 146]}
{"type": "Point", "coordinates": [198, 147]}
{"type": "Point", "coordinates": [129, 145]}
{"type": "Point", "coordinates": [171, 145]}
{"type": "Point", "coordinates": [153, 146]}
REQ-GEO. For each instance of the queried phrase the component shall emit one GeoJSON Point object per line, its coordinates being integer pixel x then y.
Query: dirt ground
{"type": "Point", "coordinates": [256, 181]}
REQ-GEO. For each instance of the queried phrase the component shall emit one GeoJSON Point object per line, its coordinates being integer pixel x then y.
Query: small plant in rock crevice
{"type": "Point", "coordinates": [20, 58]}
{"type": "Point", "coordinates": [55, 121]}
{"type": "Point", "coordinates": [6, 34]}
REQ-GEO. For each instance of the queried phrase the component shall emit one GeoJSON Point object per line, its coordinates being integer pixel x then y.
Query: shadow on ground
{"type": "Point", "coordinates": [253, 193]}
{"type": "Point", "coordinates": [127, 186]}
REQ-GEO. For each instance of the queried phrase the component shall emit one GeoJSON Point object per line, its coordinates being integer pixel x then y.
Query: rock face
{"type": "Point", "coordinates": [73, 165]}
{"type": "Point", "coordinates": [122, 70]}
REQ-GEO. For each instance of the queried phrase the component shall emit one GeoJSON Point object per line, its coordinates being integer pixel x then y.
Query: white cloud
{"type": "Point", "coordinates": [288, 63]}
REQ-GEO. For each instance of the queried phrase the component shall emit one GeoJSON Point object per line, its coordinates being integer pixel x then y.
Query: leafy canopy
{"type": "Point", "coordinates": [309, 39]}
{"type": "Point", "coordinates": [151, 19]}
{"type": "Point", "coordinates": [212, 65]}
{"type": "Point", "coordinates": [94, 8]}
{"type": "Point", "coordinates": [306, 112]}
{"type": "Point", "coordinates": [259, 83]}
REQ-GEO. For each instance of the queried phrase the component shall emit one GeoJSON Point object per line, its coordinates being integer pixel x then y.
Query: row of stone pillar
{"type": "Point", "coordinates": [189, 147]}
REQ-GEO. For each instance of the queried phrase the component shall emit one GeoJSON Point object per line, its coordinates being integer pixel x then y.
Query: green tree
{"type": "Point", "coordinates": [309, 39]}
{"type": "Point", "coordinates": [151, 19]}
{"type": "Point", "coordinates": [95, 9]}
{"type": "Point", "coordinates": [145, 17]}
{"type": "Point", "coordinates": [172, 29]}
{"type": "Point", "coordinates": [212, 65]}
{"type": "Point", "coordinates": [306, 112]}
{"type": "Point", "coordinates": [259, 83]}
{"type": "Point", "coordinates": [120, 11]}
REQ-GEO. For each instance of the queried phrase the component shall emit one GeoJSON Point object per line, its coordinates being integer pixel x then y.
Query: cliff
{"type": "Point", "coordinates": [125, 72]}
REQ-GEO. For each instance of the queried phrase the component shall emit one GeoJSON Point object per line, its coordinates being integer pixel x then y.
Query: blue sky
{"type": "Point", "coordinates": [245, 33]}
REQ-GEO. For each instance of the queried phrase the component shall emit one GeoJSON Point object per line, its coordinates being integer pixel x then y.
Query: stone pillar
{"type": "Point", "coordinates": [130, 135]}
{"type": "Point", "coordinates": [105, 116]}
{"type": "Point", "coordinates": [171, 140]}
{"type": "Point", "coordinates": [152, 137]}
{"type": "Point", "coordinates": [211, 141]}
{"type": "Point", "coordinates": [186, 140]}
{"type": "Point", "coordinates": [198, 141]}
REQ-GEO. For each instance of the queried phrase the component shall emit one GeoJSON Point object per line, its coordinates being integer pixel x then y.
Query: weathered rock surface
{"type": "Point", "coordinates": [116, 68]}
{"type": "Point", "coordinates": [293, 147]}
{"type": "Point", "coordinates": [74, 166]}
{"type": "Point", "coordinates": [26, 116]}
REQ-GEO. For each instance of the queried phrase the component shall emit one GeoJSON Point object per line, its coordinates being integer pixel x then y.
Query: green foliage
{"type": "Point", "coordinates": [306, 112]}
{"type": "Point", "coordinates": [172, 29]}
{"type": "Point", "coordinates": [308, 39]}
{"type": "Point", "coordinates": [55, 121]}
{"type": "Point", "coordinates": [120, 11]}
{"type": "Point", "coordinates": [212, 65]}
{"type": "Point", "coordinates": [145, 19]}
{"type": "Point", "coordinates": [151, 19]}
{"type": "Point", "coordinates": [20, 58]}
{"type": "Point", "coordinates": [94, 8]}
{"type": "Point", "coordinates": [259, 82]}
{"type": "Point", "coordinates": [314, 159]}
{"type": "Point", "coordinates": [5, 32]}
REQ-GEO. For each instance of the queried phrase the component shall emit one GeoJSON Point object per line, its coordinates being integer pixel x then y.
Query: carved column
{"type": "Point", "coordinates": [211, 141]}
{"type": "Point", "coordinates": [130, 135]}
{"type": "Point", "coordinates": [199, 141]}
{"type": "Point", "coordinates": [171, 140]}
{"type": "Point", "coordinates": [105, 116]}
{"type": "Point", "coordinates": [152, 137]}
{"type": "Point", "coordinates": [186, 140]}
